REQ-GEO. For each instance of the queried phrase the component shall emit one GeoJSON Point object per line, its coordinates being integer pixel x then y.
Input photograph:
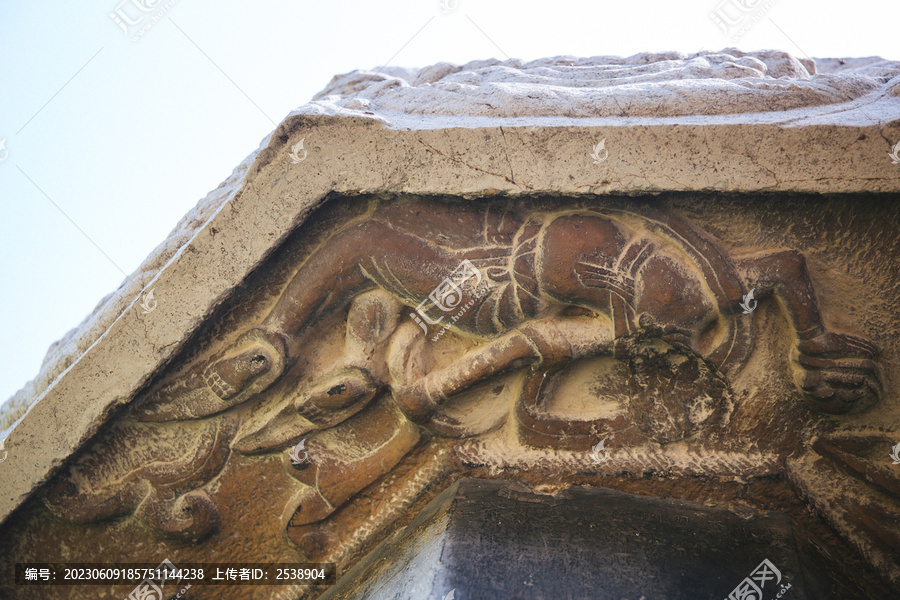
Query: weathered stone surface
{"type": "Point", "coordinates": [665, 84]}
{"type": "Point", "coordinates": [300, 391]}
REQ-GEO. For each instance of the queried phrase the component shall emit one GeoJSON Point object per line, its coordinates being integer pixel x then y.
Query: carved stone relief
{"type": "Point", "coordinates": [394, 343]}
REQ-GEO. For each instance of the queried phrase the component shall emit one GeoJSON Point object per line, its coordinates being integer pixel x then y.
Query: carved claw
{"type": "Point", "coordinates": [245, 369]}
{"type": "Point", "coordinates": [837, 372]}
{"type": "Point", "coordinates": [840, 391]}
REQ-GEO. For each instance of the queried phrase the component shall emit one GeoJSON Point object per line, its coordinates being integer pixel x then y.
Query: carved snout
{"type": "Point", "coordinates": [345, 459]}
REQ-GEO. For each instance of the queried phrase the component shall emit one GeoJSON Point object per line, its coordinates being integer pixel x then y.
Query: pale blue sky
{"type": "Point", "coordinates": [124, 137]}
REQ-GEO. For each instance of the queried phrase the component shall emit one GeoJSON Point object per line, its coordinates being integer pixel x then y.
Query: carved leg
{"type": "Point", "coordinates": [357, 259]}
{"type": "Point", "coordinates": [586, 261]}
{"type": "Point", "coordinates": [547, 341]}
{"type": "Point", "coordinates": [835, 370]}
{"type": "Point", "coordinates": [784, 275]}
{"type": "Point", "coordinates": [351, 262]}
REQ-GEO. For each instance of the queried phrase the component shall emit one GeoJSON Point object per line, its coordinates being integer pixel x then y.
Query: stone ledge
{"type": "Point", "coordinates": [825, 149]}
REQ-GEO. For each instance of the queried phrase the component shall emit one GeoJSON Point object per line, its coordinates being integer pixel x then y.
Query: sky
{"type": "Point", "coordinates": [116, 116]}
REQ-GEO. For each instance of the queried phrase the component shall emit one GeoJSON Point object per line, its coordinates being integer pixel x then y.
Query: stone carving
{"type": "Point", "coordinates": [856, 490]}
{"type": "Point", "coordinates": [644, 85]}
{"type": "Point", "coordinates": [555, 322]}
{"type": "Point", "coordinates": [635, 276]}
{"type": "Point", "coordinates": [155, 471]}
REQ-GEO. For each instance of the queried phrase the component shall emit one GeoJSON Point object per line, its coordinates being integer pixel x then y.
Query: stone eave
{"type": "Point", "coordinates": [841, 151]}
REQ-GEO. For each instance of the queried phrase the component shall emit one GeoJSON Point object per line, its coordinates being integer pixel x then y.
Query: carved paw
{"type": "Point", "coordinates": [837, 373]}
{"type": "Point", "coordinates": [841, 391]}
{"type": "Point", "coordinates": [838, 345]}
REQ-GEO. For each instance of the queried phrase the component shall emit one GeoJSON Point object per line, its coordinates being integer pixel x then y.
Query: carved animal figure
{"type": "Point", "coordinates": [631, 272]}
{"type": "Point", "coordinates": [534, 291]}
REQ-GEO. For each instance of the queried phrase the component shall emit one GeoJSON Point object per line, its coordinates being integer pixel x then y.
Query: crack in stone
{"type": "Point", "coordinates": [473, 167]}
{"type": "Point", "coordinates": [512, 173]}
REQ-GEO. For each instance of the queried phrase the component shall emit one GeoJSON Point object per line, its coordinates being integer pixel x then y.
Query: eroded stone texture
{"type": "Point", "coordinates": [646, 85]}
{"type": "Point", "coordinates": [394, 343]}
